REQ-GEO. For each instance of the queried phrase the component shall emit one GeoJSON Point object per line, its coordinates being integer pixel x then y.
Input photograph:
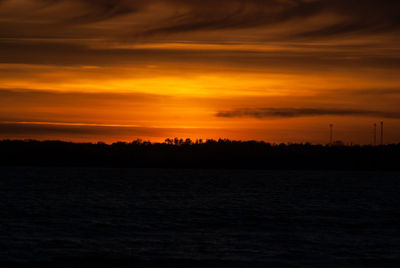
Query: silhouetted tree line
{"type": "Point", "coordinates": [179, 153]}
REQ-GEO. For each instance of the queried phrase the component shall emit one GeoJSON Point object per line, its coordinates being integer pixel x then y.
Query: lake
{"type": "Point", "coordinates": [92, 217]}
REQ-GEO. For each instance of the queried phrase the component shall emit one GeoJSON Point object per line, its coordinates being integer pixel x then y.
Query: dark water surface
{"type": "Point", "coordinates": [63, 217]}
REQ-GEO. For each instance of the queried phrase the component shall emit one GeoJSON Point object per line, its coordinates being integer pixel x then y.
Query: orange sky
{"type": "Point", "coordinates": [273, 70]}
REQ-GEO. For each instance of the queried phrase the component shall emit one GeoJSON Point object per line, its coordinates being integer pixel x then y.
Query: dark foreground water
{"type": "Point", "coordinates": [61, 217]}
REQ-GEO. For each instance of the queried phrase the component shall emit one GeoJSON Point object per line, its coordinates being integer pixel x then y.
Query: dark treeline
{"type": "Point", "coordinates": [178, 153]}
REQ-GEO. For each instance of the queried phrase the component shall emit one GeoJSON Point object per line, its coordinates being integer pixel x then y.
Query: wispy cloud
{"type": "Point", "coordinates": [49, 18]}
{"type": "Point", "coordinates": [64, 131]}
{"type": "Point", "coordinates": [68, 32]}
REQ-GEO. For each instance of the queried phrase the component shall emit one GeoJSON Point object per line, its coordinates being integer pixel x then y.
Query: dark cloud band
{"type": "Point", "coordinates": [262, 113]}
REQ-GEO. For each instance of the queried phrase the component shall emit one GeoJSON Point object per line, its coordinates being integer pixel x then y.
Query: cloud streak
{"type": "Point", "coordinates": [155, 17]}
{"type": "Point", "coordinates": [73, 32]}
{"type": "Point", "coordinates": [84, 32]}
{"type": "Point", "coordinates": [267, 113]}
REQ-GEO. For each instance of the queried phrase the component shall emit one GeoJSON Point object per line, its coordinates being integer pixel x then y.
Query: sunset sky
{"type": "Point", "coordinates": [272, 70]}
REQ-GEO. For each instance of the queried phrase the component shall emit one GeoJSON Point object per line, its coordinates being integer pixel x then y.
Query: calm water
{"type": "Point", "coordinates": [198, 218]}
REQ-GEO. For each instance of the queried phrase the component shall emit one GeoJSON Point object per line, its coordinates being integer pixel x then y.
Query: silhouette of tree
{"type": "Point", "coordinates": [222, 153]}
{"type": "Point", "coordinates": [137, 142]}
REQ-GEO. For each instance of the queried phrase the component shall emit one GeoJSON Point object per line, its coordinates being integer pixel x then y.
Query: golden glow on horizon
{"type": "Point", "coordinates": [186, 101]}
{"type": "Point", "coordinates": [174, 80]}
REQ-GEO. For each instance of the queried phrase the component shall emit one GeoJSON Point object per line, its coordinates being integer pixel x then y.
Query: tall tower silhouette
{"type": "Point", "coordinates": [375, 134]}
{"type": "Point", "coordinates": [382, 133]}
